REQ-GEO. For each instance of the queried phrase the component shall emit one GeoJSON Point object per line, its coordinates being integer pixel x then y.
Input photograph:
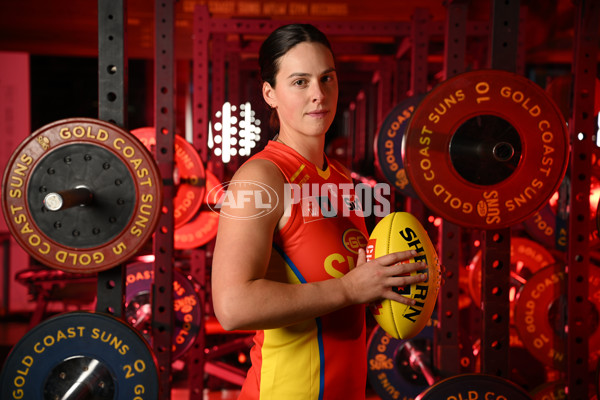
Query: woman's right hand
{"type": "Point", "coordinates": [375, 279]}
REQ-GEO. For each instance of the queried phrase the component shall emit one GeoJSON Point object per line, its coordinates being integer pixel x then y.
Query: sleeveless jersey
{"type": "Point", "coordinates": [324, 358]}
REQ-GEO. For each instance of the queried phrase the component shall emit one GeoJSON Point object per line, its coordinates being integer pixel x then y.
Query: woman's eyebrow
{"type": "Point", "coordinates": [305, 74]}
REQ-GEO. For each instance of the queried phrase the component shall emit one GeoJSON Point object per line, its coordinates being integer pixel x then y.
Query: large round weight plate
{"type": "Point", "coordinates": [186, 306]}
{"type": "Point", "coordinates": [190, 175]}
{"type": "Point", "coordinates": [540, 315]}
{"type": "Point", "coordinates": [388, 145]}
{"type": "Point", "coordinates": [389, 371]}
{"type": "Point", "coordinates": [80, 355]}
{"type": "Point", "coordinates": [474, 386]}
{"type": "Point", "coordinates": [486, 149]}
{"type": "Point", "coordinates": [203, 227]}
{"type": "Point", "coordinates": [107, 182]}
{"type": "Point", "coordinates": [542, 225]}
{"type": "Point", "coordinates": [526, 257]}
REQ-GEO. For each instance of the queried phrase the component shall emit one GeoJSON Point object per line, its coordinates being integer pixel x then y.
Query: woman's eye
{"type": "Point", "coordinates": [299, 82]}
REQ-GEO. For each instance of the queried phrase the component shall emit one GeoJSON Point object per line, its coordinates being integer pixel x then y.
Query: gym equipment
{"type": "Point", "coordinates": [474, 386]}
{"type": "Point", "coordinates": [202, 228]}
{"type": "Point", "coordinates": [388, 145]}
{"type": "Point", "coordinates": [541, 315]}
{"type": "Point", "coordinates": [47, 285]}
{"type": "Point", "coordinates": [81, 195]}
{"type": "Point", "coordinates": [186, 304]}
{"type": "Point", "coordinates": [400, 231]}
{"type": "Point", "coordinates": [402, 369]}
{"type": "Point", "coordinates": [399, 368]}
{"type": "Point", "coordinates": [526, 257]}
{"type": "Point", "coordinates": [80, 355]}
{"type": "Point", "coordinates": [542, 225]}
{"type": "Point", "coordinates": [486, 149]}
{"type": "Point", "coordinates": [189, 175]}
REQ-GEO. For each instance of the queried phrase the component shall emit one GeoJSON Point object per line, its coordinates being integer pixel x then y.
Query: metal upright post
{"type": "Point", "coordinates": [495, 269]}
{"type": "Point", "coordinates": [112, 107]}
{"type": "Point", "coordinates": [162, 289]}
{"type": "Point", "coordinates": [447, 356]}
{"type": "Point", "coordinates": [582, 129]}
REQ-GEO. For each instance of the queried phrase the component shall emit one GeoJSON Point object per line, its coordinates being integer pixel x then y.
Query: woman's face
{"type": "Point", "coordinates": [306, 90]}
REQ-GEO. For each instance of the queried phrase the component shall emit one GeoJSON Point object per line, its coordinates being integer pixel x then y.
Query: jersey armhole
{"type": "Point", "coordinates": [293, 209]}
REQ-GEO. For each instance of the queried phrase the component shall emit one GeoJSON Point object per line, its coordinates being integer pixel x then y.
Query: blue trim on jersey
{"type": "Point", "coordinates": [289, 263]}
{"type": "Point", "coordinates": [317, 320]}
{"type": "Point", "coordinates": [322, 356]}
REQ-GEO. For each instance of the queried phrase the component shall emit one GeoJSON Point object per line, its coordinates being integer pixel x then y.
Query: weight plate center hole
{"type": "Point", "coordinates": [485, 150]}
{"type": "Point", "coordinates": [80, 377]}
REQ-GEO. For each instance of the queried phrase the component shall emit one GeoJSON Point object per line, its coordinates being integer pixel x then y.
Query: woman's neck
{"type": "Point", "coordinates": [310, 148]}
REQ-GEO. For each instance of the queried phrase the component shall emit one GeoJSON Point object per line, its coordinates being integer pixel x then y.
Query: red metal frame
{"type": "Point", "coordinates": [165, 123]}
{"type": "Point", "coordinates": [582, 129]}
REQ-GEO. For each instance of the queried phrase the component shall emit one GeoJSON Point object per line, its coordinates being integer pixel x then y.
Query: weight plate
{"type": "Point", "coordinates": [526, 257]}
{"type": "Point", "coordinates": [80, 355]}
{"type": "Point", "coordinates": [540, 315]}
{"type": "Point", "coordinates": [203, 228]}
{"type": "Point", "coordinates": [486, 149]}
{"type": "Point", "coordinates": [474, 386]}
{"type": "Point", "coordinates": [388, 145]}
{"type": "Point", "coordinates": [550, 390]}
{"type": "Point", "coordinates": [186, 306]}
{"type": "Point", "coordinates": [389, 371]}
{"type": "Point", "coordinates": [81, 195]}
{"type": "Point", "coordinates": [542, 225]}
{"type": "Point", "coordinates": [189, 174]}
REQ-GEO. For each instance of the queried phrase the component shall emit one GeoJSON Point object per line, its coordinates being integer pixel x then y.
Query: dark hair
{"type": "Point", "coordinates": [277, 44]}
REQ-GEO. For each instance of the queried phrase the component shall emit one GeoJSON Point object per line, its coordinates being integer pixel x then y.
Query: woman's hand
{"type": "Point", "coordinates": [376, 279]}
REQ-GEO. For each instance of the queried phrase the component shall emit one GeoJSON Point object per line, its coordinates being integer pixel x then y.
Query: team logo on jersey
{"type": "Point", "coordinates": [353, 240]}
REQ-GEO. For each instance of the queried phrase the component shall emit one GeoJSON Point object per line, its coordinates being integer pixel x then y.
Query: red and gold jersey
{"type": "Point", "coordinates": [323, 358]}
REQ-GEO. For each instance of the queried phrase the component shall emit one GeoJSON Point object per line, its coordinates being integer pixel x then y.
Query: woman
{"type": "Point", "coordinates": [273, 270]}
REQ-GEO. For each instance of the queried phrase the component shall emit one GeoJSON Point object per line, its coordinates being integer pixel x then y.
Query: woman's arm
{"type": "Point", "coordinates": [244, 297]}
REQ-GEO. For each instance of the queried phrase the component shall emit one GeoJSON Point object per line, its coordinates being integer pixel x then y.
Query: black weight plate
{"type": "Point", "coordinates": [474, 387]}
{"type": "Point", "coordinates": [186, 306]}
{"type": "Point", "coordinates": [94, 231]}
{"type": "Point", "coordinates": [80, 355]}
{"type": "Point", "coordinates": [99, 170]}
{"type": "Point", "coordinates": [389, 371]}
{"type": "Point", "coordinates": [388, 145]}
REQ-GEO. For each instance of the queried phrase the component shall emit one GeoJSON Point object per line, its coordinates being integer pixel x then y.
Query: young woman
{"type": "Point", "coordinates": [297, 272]}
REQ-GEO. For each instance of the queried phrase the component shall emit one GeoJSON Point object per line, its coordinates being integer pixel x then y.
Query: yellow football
{"type": "Point", "coordinates": [401, 231]}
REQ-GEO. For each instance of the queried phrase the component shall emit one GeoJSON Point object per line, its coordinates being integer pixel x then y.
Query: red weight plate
{"type": "Point", "coordinates": [526, 258]}
{"type": "Point", "coordinates": [190, 175]}
{"type": "Point", "coordinates": [486, 149]}
{"type": "Point", "coordinates": [115, 219]}
{"type": "Point", "coordinates": [540, 315]}
{"type": "Point", "coordinates": [203, 228]}
{"type": "Point", "coordinates": [542, 225]}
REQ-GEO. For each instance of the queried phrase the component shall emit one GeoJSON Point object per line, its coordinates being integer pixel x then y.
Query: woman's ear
{"type": "Point", "coordinates": [269, 94]}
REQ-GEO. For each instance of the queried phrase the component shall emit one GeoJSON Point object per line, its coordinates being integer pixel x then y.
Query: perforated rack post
{"type": "Point", "coordinates": [112, 107]}
{"type": "Point", "coordinates": [165, 123]}
{"type": "Point", "coordinates": [582, 129]}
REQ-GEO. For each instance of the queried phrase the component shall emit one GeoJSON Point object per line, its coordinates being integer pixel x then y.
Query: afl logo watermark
{"type": "Point", "coordinates": [243, 195]}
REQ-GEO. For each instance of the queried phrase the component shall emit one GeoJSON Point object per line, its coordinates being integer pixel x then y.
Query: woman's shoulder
{"type": "Point", "coordinates": [259, 169]}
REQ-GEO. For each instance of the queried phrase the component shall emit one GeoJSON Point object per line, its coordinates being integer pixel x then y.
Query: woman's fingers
{"type": "Point", "coordinates": [396, 257]}
{"type": "Point", "coordinates": [401, 269]}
